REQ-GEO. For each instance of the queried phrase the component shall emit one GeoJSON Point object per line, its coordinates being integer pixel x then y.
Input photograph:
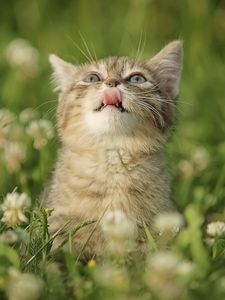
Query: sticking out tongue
{"type": "Point", "coordinates": [111, 96]}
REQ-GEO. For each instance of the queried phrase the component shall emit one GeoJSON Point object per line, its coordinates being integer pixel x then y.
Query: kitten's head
{"type": "Point", "coordinates": [118, 97]}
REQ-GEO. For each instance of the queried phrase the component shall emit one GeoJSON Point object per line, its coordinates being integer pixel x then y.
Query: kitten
{"type": "Point", "coordinates": [114, 116]}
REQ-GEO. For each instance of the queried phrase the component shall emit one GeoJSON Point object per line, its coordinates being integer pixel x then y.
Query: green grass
{"type": "Point", "coordinates": [195, 152]}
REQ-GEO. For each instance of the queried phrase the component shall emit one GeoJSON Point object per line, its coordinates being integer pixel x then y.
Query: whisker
{"type": "Point", "coordinates": [39, 106]}
{"type": "Point", "coordinates": [162, 100]}
{"type": "Point", "coordinates": [50, 110]}
{"type": "Point", "coordinates": [150, 108]}
{"type": "Point", "coordinates": [167, 100]}
{"type": "Point", "coordinates": [93, 49]}
{"type": "Point", "coordinates": [141, 46]}
{"type": "Point", "coordinates": [147, 96]}
{"type": "Point", "coordinates": [86, 46]}
{"type": "Point", "coordinates": [85, 55]}
{"type": "Point", "coordinates": [142, 92]}
{"type": "Point", "coordinates": [138, 49]}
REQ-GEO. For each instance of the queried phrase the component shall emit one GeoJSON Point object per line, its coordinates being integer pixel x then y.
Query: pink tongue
{"type": "Point", "coordinates": [111, 96]}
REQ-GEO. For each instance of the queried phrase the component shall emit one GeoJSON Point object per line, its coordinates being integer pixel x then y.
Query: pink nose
{"type": "Point", "coordinates": [112, 96]}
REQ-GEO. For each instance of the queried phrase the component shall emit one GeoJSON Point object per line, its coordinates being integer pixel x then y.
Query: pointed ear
{"type": "Point", "coordinates": [167, 66]}
{"type": "Point", "coordinates": [63, 75]}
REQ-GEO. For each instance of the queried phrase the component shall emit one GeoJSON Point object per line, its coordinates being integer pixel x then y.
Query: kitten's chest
{"type": "Point", "coordinates": [118, 175]}
{"type": "Point", "coordinates": [113, 177]}
{"type": "Point", "coordinates": [116, 169]}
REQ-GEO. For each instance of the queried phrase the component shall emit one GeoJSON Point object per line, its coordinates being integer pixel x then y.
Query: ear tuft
{"type": "Point", "coordinates": [167, 66]}
{"type": "Point", "coordinates": [63, 74]}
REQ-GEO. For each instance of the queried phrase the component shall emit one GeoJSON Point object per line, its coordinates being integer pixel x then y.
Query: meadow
{"type": "Point", "coordinates": [192, 266]}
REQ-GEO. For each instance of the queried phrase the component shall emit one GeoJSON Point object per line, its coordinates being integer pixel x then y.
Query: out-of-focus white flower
{"type": "Point", "coordinates": [8, 237]}
{"type": "Point", "coordinates": [198, 162]}
{"type": "Point", "coordinates": [111, 276]}
{"type": "Point", "coordinates": [15, 132]}
{"type": "Point", "coordinates": [118, 231]}
{"type": "Point", "coordinates": [169, 221]}
{"type": "Point", "coordinates": [41, 131]}
{"type": "Point", "coordinates": [20, 53]}
{"type": "Point", "coordinates": [27, 115]}
{"type": "Point", "coordinates": [167, 270]}
{"type": "Point", "coordinates": [116, 223]}
{"type": "Point", "coordinates": [185, 268]}
{"type": "Point", "coordinates": [14, 155]}
{"type": "Point", "coordinates": [14, 206]}
{"type": "Point", "coordinates": [23, 286]}
{"type": "Point", "coordinates": [185, 168]}
{"type": "Point", "coordinates": [169, 262]}
{"type": "Point", "coordinates": [216, 229]}
{"type": "Point", "coordinates": [10, 133]}
{"type": "Point", "coordinates": [164, 261]}
{"type": "Point", "coordinates": [6, 117]}
{"type": "Point", "coordinates": [160, 277]}
{"type": "Point", "coordinates": [200, 158]}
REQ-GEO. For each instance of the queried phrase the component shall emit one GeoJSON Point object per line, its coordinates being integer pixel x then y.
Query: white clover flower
{"type": "Point", "coordinates": [115, 223]}
{"type": "Point", "coordinates": [170, 263]}
{"type": "Point", "coordinates": [160, 275]}
{"type": "Point", "coordinates": [200, 158]}
{"type": "Point", "coordinates": [185, 268]}
{"type": "Point", "coordinates": [119, 232]}
{"type": "Point", "coordinates": [15, 132]}
{"type": "Point", "coordinates": [216, 229]}
{"type": "Point", "coordinates": [198, 162]}
{"type": "Point", "coordinates": [164, 261]}
{"type": "Point", "coordinates": [186, 168]}
{"type": "Point", "coordinates": [41, 131]}
{"type": "Point", "coordinates": [6, 117]}
{"type": "Point", "coordinates": [22, 286]}
{"type": "Point", "coordinates": [14, 154]}
{"type": "Point", "coordinates": [166, 269]}
{"type": "Point", "coordinates": [20, 53]}
{"type": "Point", "coordinates": [13, 207]}
{"type": "Point", "coordinates": [169, 221]}
{"type": "Point", "coordinates": [27, 115]}
{"type": "Point", "coordinates": [10, 133]}
{"type": "Point", "coordinates": [111, 276]}
{"type": "Point", "coordinates": [8, 237]}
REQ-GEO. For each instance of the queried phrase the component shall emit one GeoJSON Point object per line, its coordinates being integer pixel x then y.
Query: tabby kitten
{"type": "Point", "coordinates": [114, 116]}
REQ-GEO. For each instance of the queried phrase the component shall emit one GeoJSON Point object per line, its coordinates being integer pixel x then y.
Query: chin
{"type": "Point", "coordinates": [111, 121]}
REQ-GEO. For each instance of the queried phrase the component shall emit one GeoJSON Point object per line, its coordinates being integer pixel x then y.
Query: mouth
{"type": "Point", "coordinates": [118, 106]}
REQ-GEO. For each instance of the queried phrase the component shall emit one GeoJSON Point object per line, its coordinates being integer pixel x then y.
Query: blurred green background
{"type": "Point", "coordinates": [196, 151]}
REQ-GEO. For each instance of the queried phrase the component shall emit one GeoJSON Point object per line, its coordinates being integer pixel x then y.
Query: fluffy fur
{"type": "Point", "coordinates": [112, 159]}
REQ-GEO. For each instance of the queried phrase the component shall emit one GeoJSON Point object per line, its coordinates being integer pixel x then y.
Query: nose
{"type": "Point", "coordinates": [112, 82]}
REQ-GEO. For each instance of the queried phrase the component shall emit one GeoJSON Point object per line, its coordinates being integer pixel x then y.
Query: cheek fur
{"type": "Point", "coordinates": [68, 111]}
{"type": "Point", "coordinates": [149, 103]}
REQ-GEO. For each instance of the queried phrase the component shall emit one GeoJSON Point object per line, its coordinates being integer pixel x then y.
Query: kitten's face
{"type": "Point", "coordinates": [118, 96]}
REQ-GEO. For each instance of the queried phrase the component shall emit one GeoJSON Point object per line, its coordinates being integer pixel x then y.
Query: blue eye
{"type": "Point", "coordinates": [136, 79]}
{"type": "Point", "coordinates": [92, 78]}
